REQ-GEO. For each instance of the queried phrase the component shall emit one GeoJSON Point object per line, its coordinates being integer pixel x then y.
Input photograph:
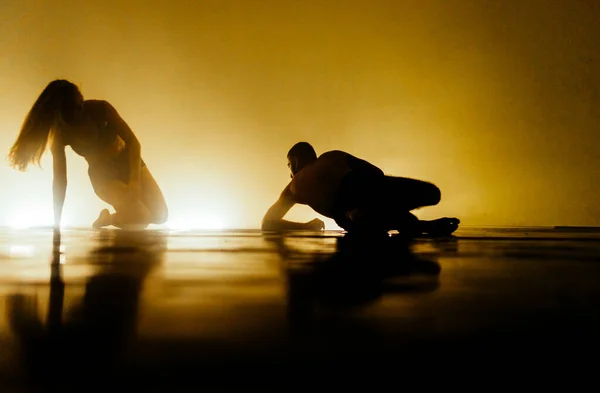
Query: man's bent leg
{"type": "Point", "coordinates": [407, 194]}
{"type": "Point", "coordinates": [364, 204]}
{"type": "Point", "coordinates": [384, 203]}
{"type": "Point", "coordinates": [356, 210]}
{"type": "Point", "coordinates": [378, 204]}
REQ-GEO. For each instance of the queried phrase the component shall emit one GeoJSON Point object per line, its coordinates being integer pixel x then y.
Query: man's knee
{"type": "Point", "coordinates": [433, 195]}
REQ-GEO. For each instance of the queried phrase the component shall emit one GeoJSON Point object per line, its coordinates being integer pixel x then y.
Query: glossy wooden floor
{"type": "Point", "coordinates": [245, 311]}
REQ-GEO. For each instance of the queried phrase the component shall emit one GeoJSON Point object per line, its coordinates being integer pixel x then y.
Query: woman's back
{"type": "Point", "coordinates": [96, 136]}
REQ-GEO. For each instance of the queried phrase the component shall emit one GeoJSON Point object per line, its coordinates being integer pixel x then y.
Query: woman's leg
{"type": "Point", "coordinates": [130, 211]}
{"type": "Point", "coordinates": [134, 212]}
{"type": "Point", "coordinates": [153, 198]}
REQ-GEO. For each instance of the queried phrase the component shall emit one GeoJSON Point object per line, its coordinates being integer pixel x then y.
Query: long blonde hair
{"type": "Point", "coordinates": [41, 121]}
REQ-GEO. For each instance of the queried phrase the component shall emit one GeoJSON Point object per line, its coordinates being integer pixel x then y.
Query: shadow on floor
{"type": "Point", "coordinates": [355, 276]}
{"type": "Point", "coordinates": [90, 339]}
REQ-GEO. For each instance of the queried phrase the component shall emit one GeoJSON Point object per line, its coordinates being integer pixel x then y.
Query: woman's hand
{"type": "Point", "coordinates": [59, 183]}
{"type": "Point", "coordinates": [56, 236]}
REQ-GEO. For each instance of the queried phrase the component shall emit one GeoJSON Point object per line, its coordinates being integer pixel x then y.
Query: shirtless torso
{"type": "Point", "coordinates": [95, 137]}
{"type": "Point", "coordinates": [318, 184]}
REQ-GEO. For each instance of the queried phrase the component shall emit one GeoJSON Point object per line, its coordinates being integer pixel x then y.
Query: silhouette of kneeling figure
{"type": "Point", "coordinates": [95, 131]}
{"type": "Point", "coordinates": [356, 194]}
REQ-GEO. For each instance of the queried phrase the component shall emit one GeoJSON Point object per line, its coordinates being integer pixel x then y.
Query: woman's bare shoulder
{"type": "Point", "coordinates": [99, 109]}
{"type": "Point", "coordinates": [94, 108]}
{"type": "Point", "coordinates": [94, 104]}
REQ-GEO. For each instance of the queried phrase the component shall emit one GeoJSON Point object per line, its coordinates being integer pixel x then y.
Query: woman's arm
{"type": "Point", "coordinates": [59, 182]}
{"type": "Point", "coordinates": [132, 143]}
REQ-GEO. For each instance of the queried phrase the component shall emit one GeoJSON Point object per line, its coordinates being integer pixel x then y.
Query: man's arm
{"type": "Point", "coordinates": [273, 219]}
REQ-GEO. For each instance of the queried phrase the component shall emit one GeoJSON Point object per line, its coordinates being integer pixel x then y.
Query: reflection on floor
{"type": "Point", "coordinates": [242, 310]}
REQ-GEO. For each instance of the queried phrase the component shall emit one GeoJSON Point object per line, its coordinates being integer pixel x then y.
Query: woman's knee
{"type": "Point", "coordinates": [153, 213]}
{"type": "Point", "coordinates": [135, 212]}
{"type": "Point", "coordinates": [160, 216]}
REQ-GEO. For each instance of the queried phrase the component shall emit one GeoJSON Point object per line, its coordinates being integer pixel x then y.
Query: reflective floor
{"type": "Point", "coordinates": [246, 311]}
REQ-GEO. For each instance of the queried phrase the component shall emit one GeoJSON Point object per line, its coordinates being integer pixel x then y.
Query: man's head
{"type": "Point", "coordinates": [299, 156]}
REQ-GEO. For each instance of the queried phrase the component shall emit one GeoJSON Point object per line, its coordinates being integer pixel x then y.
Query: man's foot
{"type": "Point", "coordinates": [440, 227]}
{"type": "Point", "coordinates": [103, 219]}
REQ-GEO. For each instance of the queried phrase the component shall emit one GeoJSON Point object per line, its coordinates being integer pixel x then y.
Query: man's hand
{"type": "Point", "coordinates": [315, 225]}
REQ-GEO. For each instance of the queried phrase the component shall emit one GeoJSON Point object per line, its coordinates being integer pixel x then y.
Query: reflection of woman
{"type": "Point", "coordinates": [90, 337]}
{"type": "Point", "coordinates": [95, 131]}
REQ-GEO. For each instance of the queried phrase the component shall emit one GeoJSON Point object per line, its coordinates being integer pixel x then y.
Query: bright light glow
{"type": "Point", "coordinates": [196, 221]}
{"type": "Point", "coordinates": [21, 251]}
{"type": "Point", "coordinates": [27, 218]}
{"type": "Point", "coordinates": [36, 217]}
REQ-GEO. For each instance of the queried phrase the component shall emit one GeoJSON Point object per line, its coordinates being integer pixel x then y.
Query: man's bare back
{"type": "Point", "coordinates": [317, 184]}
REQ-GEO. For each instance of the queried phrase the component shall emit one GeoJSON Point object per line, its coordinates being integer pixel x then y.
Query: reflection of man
{"type": "Point", "coordinates": [356, 194]}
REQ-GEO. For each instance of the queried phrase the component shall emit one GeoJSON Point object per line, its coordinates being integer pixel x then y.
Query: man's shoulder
{"type": "Point", "coordinates": [287, 192]}
{"type": "Point", "coordinates": [335, 156]}
{"type": "Point", "coordinates": [332, 153]}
